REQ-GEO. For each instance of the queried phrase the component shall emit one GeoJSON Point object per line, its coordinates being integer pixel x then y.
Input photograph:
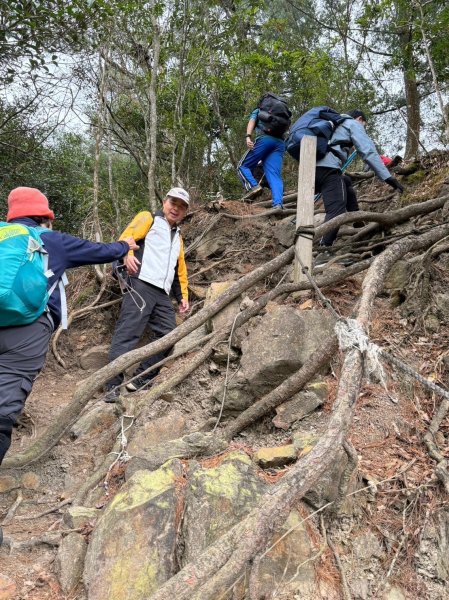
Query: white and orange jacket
{"type": "Point", "coordinates": [161, 253]}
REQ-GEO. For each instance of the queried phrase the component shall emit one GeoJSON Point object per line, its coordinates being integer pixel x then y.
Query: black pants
{"type": "Point", "coordinates": [158, 313]}
{"type": "Point", "coordinates": [338, 197]}
{"type": "Point", "coordinates": [22, 355]}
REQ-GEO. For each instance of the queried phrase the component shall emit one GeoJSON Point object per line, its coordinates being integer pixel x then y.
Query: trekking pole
{"type": "Point", "coordinates": [349, 160]}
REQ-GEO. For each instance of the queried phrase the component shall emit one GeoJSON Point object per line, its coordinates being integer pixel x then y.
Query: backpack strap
{"type": "Point", "coordinates": [61, 283]}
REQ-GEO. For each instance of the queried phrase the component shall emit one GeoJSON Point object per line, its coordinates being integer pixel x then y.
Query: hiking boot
{"type": "Point", "coordinates": [255, 191]}
{"type": "Point", "coordinates": [322, 258]}
{"type": "Point", "coordinates": [112, 395]}
{"type": "Point", "coordinates": [138, 384]}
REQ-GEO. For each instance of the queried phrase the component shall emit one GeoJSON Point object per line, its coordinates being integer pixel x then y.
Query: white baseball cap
{"type": "Point", "coordinates": [180, 193]}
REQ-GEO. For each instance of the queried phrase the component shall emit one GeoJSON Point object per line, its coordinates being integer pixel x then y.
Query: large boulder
{"type": "Point", "coordinates": [132, 548]}
{"type": "Point", "coordinates": [216, 499]}
{"type": "Point", "coordinates": [95, 357]}
{"type": "Point", "coordinates": [151, 433]}
{"type": "Point", "coordinates": [277, 347]}
{"type": "Point", "coordinates": [70, 560]}
{"type": "Point", "coordinates": [219, 497]}
{"type": "Point", "coordinates": [188, 446]}
{"type": "Point", "coordinates": [228, 314]}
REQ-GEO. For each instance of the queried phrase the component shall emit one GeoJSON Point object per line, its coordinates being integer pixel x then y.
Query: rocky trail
{"type": "Point", "coordinates": [264, 462]}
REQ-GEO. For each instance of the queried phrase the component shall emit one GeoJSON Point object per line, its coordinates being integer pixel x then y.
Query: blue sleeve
{"type": "Point", "coordinates": [254, 114]}
{"type": "Point", "coordinates": [67, 251]}
{"type": "Point", "coordinates": [367, 150]}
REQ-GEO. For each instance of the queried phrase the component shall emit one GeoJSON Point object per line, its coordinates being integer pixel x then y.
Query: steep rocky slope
{"type": "Point", "coordinates": [374, 525]}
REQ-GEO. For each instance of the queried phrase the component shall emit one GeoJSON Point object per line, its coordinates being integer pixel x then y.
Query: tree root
{"type": "Point", "coordinates": [12, 511]}
{"type": "Point", "coordinates": [51, 539]}
{"type": "Point", "coordinates": [219, 565]}
{"type": "Point", "coordinates": [83, 394]}
{"type": "Point", "coordinates": [46, 512]}
{"type": "Point", "coordinates": [344, 583]}
{"type": "Point", "coordinates": [429, 439]}
{"type": "Point", "coordinates": [256, 411]}
{"type": "Point", "coordinates": [351, 466]}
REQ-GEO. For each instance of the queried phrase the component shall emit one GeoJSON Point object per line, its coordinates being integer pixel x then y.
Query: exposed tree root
{"type": "Point", "coordinates": [344, 583]}
{"type": "Point", "coordinates": [351, 466]}
{"type": "Point", "coordinates": [429, 439]}
{"type": "Point", "coordinates": [88, 387]}
{"type": "Point", "coordinates": [50, 539]}
{"type": "Point", "coordinates": [85, 391]}
{"type": "Point", "coordinates": [220, 564]}
{"type": "Point", "coordinates": [83, 394]}
{"type": "Point", "coordinates": [46, 512]}
{"type": "Point", "coordinates": [259, 409]}
{"type": "Point", "coordinates": [12, 511]}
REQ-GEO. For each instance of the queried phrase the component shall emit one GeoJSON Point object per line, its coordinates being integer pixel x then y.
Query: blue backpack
{"type": "Point", "coordinates": [321, 122]}
{"type": "Point", "coordinates": [25, 274]}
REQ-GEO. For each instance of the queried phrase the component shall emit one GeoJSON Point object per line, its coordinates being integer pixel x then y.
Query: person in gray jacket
{"type": "Point", "coordinates": [337, 191]}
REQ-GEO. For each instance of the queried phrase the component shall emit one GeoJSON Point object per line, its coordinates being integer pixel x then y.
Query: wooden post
{"type": "Point", "coordinates": [305, 205]}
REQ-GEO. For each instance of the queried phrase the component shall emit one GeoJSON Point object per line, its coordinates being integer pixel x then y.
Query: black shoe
{"type": "Point", "coordinates": [255, 191]}
{"type": "Point", "coordinates": [322, 258]}
{"type": "Point", "coordinates": [138, 384]}
{"type": "Point", "coordinates": [112, 395]}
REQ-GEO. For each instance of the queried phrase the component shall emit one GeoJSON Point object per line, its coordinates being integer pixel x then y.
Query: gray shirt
{"type": "Point", "coordinates": [353, 131]}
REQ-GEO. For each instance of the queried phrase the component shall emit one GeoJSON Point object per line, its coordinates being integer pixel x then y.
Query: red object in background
{"type": "Point", "coordinates": [386, 160]}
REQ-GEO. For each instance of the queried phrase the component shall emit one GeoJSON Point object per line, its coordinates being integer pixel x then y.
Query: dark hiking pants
{"type": "Point", "coordinates": [338, 197]}
{"type": "Point", "coordinates": [22, 356]}
{"type": "Point", "coordinates": [158, 313]}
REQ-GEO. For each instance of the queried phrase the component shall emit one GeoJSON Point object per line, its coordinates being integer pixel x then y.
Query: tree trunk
{"type": "Point", "coordinates": [410, 83]}
{"type": "Point", "coordinates": [156, 46]}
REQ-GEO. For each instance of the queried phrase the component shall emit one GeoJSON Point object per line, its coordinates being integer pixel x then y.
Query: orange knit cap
{"type": "Point", "coordinates": [28, 202]}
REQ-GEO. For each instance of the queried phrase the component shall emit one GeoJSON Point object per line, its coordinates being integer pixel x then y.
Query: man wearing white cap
{"type": "Point", "coordinates": [155, 270]}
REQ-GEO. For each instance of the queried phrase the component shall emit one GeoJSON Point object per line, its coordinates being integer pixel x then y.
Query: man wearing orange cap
{"type": "Point", "coordinates": [157, 269]}
{"type": "Point", "coordinates": [24, 344]}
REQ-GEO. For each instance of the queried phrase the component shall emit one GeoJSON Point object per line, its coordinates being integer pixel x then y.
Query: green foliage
{"type": "Point", "coordinates": [217, 58]}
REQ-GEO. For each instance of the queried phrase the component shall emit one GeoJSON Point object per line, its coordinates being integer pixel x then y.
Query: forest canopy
{"type": "Point", "coordinates": [104, 105]}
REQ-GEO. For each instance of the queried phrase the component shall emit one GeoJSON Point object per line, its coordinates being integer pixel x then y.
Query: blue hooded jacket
{"type": "Point", "coordinates": [66, 251]}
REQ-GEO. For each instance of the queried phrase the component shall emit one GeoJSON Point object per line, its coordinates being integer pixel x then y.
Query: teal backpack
{"type": "Point", "coordinates": [24, 274]}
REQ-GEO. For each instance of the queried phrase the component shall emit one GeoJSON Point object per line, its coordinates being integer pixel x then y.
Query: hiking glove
{"type": "Point", "coordinates": [395, 184]}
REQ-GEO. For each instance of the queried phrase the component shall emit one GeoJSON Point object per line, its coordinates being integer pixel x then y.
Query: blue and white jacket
{"type": "Point", "coordinates": [352, 132]}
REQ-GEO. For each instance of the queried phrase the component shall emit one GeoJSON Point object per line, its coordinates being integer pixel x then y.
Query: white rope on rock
{"type": "Point", "coordinates": [350, 334]}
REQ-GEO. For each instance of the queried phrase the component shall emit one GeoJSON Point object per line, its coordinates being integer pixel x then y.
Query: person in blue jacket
{"type": "Point", "coordinates": [23, 348]}
{"type": "Point", "coordinates": [337, 191]}
{"type": "Point", "coordinates": [269, 151]}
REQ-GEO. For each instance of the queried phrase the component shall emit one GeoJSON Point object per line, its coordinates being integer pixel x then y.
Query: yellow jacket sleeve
{"type": "Point", "coordinates": [138, 228]}
{"type": "Point", "coordinates": [182, 273]}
